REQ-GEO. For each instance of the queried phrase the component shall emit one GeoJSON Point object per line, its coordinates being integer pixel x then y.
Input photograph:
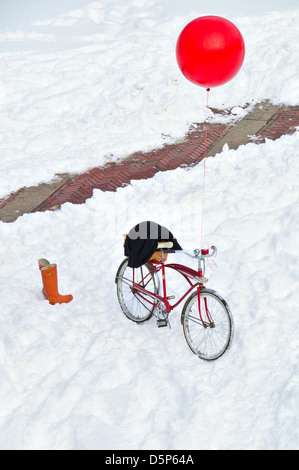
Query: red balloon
{"type": "Point", "coordinates": [210, 51]}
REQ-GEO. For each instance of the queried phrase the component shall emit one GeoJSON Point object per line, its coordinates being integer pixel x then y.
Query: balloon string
{"type": "Point", "coordinates": [204, 171]}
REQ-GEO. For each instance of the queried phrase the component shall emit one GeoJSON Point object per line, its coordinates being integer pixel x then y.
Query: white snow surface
{"type": "Point", "coordinates": [81, 84]}
{"type": "Point", "coordinates": [91, 81]}
{"type": "Point", "coordinates": [83, 376]}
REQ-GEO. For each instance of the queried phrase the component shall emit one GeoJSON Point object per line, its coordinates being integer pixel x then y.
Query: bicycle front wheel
{"type": "Point", "coordinates": [208, 330]}
{"type": "Point", "coordinates": [136, 307]}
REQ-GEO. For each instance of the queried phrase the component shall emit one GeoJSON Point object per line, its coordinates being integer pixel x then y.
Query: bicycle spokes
{"type": "Point", "coordinates": [135, 304]}
{"type": "Point", "coordinates": [207, 324]}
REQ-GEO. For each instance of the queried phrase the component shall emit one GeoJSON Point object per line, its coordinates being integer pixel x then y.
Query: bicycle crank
{"type": "Point", "coordinates": [162, 316]}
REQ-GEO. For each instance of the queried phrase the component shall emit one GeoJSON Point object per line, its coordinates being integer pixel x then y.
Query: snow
{"type": "Point", "coordinates": [100, 80]}
{"type": "Point", "coordinates": [81, 82]}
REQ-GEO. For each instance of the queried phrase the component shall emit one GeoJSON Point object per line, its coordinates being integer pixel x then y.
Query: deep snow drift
{"type": "Point", "coordinates": [81, 375]}
{"type": "Point", "coordinates": [100, 81]}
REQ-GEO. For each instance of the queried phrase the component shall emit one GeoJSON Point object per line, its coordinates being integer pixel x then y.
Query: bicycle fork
{"type": "Point", "coordinates": [210, 322]}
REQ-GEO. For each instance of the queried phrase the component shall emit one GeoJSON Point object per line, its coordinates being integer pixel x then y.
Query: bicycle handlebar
{"type": "Point", "coordinates": [206, 252]}
{"type": "Point", "coordinates": [202, 253]}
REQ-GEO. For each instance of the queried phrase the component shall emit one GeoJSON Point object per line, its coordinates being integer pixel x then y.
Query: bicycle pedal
{"type": "Point", "coordinates": [162, 323]}
{"type": "Point", "coordinates": [170, 297]}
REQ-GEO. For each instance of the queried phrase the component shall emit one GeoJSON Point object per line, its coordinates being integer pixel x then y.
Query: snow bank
{"type": "Point", "coordinates": [82, 376]}
{"type": "Point", "coordinates": [100, 81]}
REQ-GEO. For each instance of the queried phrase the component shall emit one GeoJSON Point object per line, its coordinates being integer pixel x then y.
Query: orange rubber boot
{"type": "Point", "coordinates": [49, 277]}
{"type": "Point", "coordinates": [41, 264]}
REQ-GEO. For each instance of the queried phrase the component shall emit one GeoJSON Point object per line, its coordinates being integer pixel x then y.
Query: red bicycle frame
{"type": "Point", "coordinates": [189, 275]}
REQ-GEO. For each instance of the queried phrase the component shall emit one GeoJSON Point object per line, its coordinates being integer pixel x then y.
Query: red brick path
{"type": "Point", "coordinates": [7, 199]}
{"type": "Point", "coordinates": [188, 152]}
{"type": "Point", "coordinates": [283, 122]}
{"type": "Point", "coordinates": [138, 166]}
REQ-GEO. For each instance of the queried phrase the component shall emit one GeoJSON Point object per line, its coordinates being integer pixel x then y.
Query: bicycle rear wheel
{"type": "Point", "coordinates": [136, 307]}
{"type": "Point", "coordinates": [210, 335]}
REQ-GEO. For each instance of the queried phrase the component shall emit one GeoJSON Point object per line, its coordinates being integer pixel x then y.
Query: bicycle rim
{"type": "Point", "coordinates": [136, 307]}
{"type": "Point", "coordinates": [210, 336]}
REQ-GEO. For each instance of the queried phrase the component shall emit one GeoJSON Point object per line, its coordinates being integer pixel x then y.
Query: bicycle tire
{"type": "Point", "coordinates": [133, 306]}
{"type": "Point", "coordinates": [212, 340]}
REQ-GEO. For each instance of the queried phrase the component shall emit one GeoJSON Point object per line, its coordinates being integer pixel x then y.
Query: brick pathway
{"type": "Point", "coordinates": [137, 166]}
{"type": "Point", "coordinates": [284, 122]}
{"type": "Point", "coordinates": [6, 200]}
{"type": "Point", "coordinates": [266, 121]}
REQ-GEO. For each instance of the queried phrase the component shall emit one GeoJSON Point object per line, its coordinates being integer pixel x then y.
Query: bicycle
{"type": "Point", "coordinates": [206, 317]}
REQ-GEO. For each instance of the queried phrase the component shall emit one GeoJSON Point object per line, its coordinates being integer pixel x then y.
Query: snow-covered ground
{"type": "Point", "coordinates": [79, 84]}
{"type": "Point", "coordinates": [83, 83]}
